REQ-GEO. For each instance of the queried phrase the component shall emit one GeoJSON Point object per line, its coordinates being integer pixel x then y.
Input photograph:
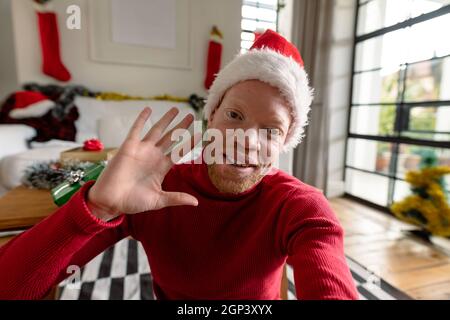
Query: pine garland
{"type": "Point", "coordinates": [48, 175]}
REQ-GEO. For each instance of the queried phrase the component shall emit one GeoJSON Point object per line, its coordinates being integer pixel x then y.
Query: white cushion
{"type": "Point", "coordinates": [91, 110]}
{"type": "Point", "coordinates": [112, 131]}
{"type": "Point", "coordinates": [13, 138]}
{"type": "Point", "coordinates": [55, 143]}
{"type": "Point", "coordinates": [12, 167]}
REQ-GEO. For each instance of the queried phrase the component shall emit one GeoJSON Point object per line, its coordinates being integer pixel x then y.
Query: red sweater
{"type": "Point", "coordinates": [229, 247]}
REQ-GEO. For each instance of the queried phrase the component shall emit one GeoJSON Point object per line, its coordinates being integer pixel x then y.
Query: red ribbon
{"type": "Point", "coordinates": [93, 145]}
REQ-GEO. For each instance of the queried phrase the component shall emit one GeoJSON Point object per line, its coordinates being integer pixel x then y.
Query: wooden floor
{"type": "Point", "coordinates": [378, 242]}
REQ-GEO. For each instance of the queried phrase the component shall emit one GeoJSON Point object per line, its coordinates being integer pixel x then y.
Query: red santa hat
{"type": "Point", "coordinates": [273, 60]}
{"type": "Point", "coordinates": [30, 104]}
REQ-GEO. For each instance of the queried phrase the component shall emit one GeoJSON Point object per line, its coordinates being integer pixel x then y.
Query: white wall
{"type": "Point", "coordinates": [339, 80]}
{"type": "Point", "coordinates": [131, 79]}
{"type": "Point", "coordinates": [8, 76]}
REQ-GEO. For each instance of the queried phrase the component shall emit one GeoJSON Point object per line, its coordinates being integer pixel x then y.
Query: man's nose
{"type": "Point", "coordinates": [247, 147]}
{"type": "Point", "coordinates": [246, 139]}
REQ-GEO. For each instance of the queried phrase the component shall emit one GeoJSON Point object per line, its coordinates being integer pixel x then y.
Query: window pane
{"type": "Point", "coordinates": [386, 51]}
{"type": "Point", "coordinates": [252, 25]}
{"type": "Point", "coordinates": [373, 120]}
{"type": "Point", "coordinates": [375, 87]}
{"type": "Point", "coordinates": [405, 45]}
{"type": "Point", "coordinates": [402, 189]}
{"type": "Point", "coordinates": [249, 12]}
{"type": "Point", "coordinates": [423, 122]}
{"type": "Point", "coordinates": [447, 182]}
{"type": "Point", "coordinates": [249, 25]}
{"type": "Point", "coordinates": [428, 81]}
{"type": "Point", "coordinates": [246, 44]}
{"type": "Point", "coordinates": [269, 3]}
{"type": "Point", "coordinates": [266, 25]}
{"type": "Point", "coordinates": [371, 187]}
{"type": "Point", "coordinates": [369, 155]}
{"type": "Point", "coordinates": [257, 15]}
{"type": "Point", "coordinates": [411, 157]}
{"type": "Point", "coordinates": [426, 40]}
{"type": "Point", "coordinates": [247, 36]}
{"type": "Point", "coordinates": [252, 12]}
{"type": "Point", "coordinates": [378, 14]}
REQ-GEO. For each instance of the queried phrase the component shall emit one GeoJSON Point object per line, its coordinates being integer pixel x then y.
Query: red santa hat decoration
{"type": "Point", "coordinates": [273, 60]}
{"type": "Point", "coordinates": [30, 104]}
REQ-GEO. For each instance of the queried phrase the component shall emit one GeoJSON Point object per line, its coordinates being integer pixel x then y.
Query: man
{"type": "Point", "coordinates": [210, 230]}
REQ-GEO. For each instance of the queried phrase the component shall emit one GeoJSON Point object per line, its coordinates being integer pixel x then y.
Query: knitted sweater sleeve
{"type": "Point", "coordinates": [36, 260]}
{"type": "Point", "coordinates": [313, 240]}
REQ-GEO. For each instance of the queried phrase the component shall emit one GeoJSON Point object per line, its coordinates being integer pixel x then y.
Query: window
{"type": "Point", "coordinates": [400, 100]}
{"type": "Point", "coordinates": [257, 15]}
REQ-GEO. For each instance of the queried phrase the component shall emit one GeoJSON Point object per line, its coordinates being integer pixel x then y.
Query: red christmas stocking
{"type": "Point", "coordinates": [51, 51]}
{"type": "Point", "coordinates": [214, 56]}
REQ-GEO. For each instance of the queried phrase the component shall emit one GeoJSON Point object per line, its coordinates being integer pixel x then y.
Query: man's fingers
{"type": "Point", "coordinates": [166, 140]}
{"type": "Point", "coordinates": [179, 151]}
{"type": "Point", "coordinates": [154, 134]}
{"type": "Point", "coordinates": [170, 199]}
{"type": "Point", "coordinates": [136, 128]}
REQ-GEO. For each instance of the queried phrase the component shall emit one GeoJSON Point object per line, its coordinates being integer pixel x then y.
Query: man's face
{"type": "Point", "coordinates": [252, 106]}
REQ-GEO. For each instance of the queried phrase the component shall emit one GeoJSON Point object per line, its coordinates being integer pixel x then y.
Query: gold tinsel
{"type": "Point", "coordinates": [120, 97]}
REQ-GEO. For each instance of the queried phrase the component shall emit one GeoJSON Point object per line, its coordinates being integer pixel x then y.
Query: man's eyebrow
{"type": "Point", "coordinates": [275, 120]}
{"type": "Point", "coordinates": [238, 102]}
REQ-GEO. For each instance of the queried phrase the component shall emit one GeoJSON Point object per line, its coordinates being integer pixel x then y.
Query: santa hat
{"type": "Point", "coordinates": [273, 60]}
{"type": "Point", "coordinates": [30, 104]}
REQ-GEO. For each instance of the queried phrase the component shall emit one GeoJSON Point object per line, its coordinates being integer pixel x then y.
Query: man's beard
{"type": "Point", "coordinates": [232, 184]}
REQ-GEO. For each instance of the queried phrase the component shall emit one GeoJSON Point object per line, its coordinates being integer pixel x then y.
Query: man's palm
{"type": "Point", "coordinates": [131, 182]}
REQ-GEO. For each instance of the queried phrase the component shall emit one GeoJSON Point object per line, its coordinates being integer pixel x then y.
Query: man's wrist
{"type": "Point", "coordinates": [99, 211]}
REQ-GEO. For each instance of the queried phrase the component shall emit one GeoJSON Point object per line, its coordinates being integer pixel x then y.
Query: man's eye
{"type": "Point", "coordinates": [234, 115]}
{"type": "Point", "coordinates": [273, 131]}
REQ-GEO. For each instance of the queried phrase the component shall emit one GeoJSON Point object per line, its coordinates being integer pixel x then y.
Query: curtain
{"type": "Point", "coordinates": [311, 32]}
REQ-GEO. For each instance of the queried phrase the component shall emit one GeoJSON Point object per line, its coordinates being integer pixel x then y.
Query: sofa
{"type": "Point", "coordinates": [107, 120]}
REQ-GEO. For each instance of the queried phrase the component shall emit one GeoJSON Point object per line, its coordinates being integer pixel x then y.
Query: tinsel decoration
{"type": "Point", "coordinates": [48, 175]}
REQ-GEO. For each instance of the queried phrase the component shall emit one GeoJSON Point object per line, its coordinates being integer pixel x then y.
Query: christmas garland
{"type": "Point", "coordinates": [48, 175]}
{"type": "Point", "coordinates": [195, 101]}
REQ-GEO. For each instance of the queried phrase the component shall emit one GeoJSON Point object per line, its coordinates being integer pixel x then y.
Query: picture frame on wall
{"type": "Point", "coordinates": [159, 35]}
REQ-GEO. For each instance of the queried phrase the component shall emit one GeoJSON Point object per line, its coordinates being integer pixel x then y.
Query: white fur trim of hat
{"type": "Point", "coordinates": [269, 65]}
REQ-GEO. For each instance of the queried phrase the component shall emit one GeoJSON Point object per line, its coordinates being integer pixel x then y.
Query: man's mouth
{"type": "Point", "coordinates": [243, 165]}
{"type": "Point", "coordinates": [234, 163]}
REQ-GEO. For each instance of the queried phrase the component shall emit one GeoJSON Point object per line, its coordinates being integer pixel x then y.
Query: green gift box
{"type": "Point", "coordinates": [64, 191]}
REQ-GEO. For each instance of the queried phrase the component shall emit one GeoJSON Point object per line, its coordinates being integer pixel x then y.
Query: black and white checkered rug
{"type": "Point", "coordinates": [122, 273]}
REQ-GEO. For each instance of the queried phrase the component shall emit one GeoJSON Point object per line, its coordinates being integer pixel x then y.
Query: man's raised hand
{"type": "Point", "coordinates": [131, 182]}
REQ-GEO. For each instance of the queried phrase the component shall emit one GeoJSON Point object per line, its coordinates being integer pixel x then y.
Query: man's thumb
{"type": "Point", "coordinates": [169, 199]}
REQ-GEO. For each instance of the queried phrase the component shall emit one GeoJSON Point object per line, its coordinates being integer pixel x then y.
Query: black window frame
{"type": "Point", "coordinates": [402, 107]}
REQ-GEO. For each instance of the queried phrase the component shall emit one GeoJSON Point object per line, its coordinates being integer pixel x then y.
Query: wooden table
{"type": "Point", "coordinates": [23, 207]}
